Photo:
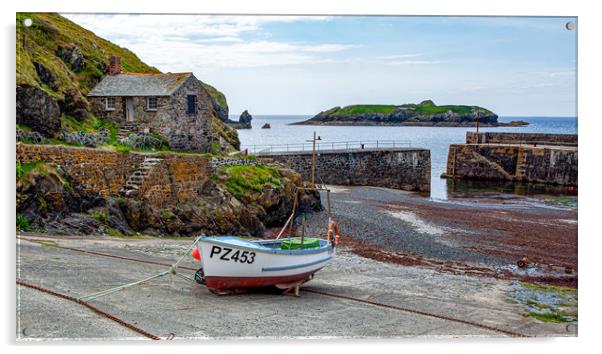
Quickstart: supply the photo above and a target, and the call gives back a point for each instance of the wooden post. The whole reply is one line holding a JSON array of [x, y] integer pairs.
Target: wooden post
[[302, 231], [313, 161], [328, 202]]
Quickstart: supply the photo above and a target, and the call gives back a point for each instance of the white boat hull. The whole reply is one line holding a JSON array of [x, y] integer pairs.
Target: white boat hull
[[231, 263]]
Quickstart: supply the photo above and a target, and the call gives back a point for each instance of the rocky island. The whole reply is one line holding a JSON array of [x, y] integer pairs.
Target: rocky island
[[426, 113], [244, 121]]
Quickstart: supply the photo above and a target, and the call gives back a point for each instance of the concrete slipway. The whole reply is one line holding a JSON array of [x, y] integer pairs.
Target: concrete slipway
[[170, 307]]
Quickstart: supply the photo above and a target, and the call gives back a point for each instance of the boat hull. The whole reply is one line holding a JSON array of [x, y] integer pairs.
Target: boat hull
[[231, 263], [218, 283]]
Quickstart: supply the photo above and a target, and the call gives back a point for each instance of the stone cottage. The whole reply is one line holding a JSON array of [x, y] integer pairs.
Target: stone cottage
[[174, 106]]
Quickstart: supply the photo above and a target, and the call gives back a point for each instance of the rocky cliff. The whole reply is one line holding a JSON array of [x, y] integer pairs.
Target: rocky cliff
[[426, 113], [59, 62]]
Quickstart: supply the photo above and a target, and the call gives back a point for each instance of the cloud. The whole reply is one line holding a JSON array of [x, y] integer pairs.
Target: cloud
[[188, 42], [400, 56], [417, 62], [128, 26]]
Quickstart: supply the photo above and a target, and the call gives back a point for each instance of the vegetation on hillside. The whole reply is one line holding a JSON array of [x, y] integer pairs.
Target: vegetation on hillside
[[219, 99], [242, 180], [42, 42]]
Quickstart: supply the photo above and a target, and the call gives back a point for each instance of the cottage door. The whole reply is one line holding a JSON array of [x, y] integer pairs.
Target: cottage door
[[130, 109]]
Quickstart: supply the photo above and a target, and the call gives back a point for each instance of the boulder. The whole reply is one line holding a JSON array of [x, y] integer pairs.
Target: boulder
[[38, 110], [266, 126], [72, 56]]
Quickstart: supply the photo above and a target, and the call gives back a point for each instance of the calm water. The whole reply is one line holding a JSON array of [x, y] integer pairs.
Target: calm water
[[437, 139]]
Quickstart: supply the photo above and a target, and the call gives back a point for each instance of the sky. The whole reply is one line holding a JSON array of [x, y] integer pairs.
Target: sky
[[306, 64]]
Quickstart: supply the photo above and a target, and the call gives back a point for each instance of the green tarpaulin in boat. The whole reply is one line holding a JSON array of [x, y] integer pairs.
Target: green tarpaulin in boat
[[295, 243]]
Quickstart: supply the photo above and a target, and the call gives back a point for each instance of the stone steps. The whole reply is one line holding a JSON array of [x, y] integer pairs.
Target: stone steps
[[125, 130], [521, 163], [134, 181]]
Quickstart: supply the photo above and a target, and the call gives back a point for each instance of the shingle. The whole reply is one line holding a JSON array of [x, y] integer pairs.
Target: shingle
[[133, 84]]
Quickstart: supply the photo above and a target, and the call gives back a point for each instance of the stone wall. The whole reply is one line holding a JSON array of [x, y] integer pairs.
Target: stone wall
[[102, 171], [513, 163], [176, 179], [407, 169], [521, 138]]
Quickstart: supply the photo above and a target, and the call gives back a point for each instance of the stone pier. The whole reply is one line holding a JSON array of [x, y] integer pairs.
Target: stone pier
[[538, 158]]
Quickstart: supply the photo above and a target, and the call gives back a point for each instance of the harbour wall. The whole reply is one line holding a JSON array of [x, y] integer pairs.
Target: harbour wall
[[400, 168], [551, 165], [521, 138], [175, 178]]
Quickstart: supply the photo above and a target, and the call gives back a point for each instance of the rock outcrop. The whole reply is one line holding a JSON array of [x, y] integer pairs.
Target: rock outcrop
[[427, 113], [266, 126], [38, 110], [46, 76], [244, 121], [74, 105], [72, 56]]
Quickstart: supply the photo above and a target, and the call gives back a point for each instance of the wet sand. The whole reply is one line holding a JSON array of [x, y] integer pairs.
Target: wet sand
[[484, 235]]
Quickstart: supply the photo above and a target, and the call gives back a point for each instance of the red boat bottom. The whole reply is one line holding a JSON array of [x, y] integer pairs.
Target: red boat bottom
[[232, 283]]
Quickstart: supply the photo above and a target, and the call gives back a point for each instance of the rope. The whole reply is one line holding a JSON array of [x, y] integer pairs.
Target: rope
[[120, 287], [91, 307], [172, 270]]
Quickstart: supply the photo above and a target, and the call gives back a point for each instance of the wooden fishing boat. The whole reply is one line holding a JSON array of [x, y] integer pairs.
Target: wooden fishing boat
[[232, 263]]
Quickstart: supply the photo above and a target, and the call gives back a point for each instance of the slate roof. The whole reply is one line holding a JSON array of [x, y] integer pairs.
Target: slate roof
[[135, 84]]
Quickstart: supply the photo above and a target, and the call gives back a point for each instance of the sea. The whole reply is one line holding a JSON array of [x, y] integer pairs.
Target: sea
[[436, 139]]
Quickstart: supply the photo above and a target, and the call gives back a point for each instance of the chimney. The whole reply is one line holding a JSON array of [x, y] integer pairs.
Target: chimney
[[114, 65]]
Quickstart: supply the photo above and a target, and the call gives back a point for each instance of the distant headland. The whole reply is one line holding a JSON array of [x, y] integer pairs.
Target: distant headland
[[426, 113]]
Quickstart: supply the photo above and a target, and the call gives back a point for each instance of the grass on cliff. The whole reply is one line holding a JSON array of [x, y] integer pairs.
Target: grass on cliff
[[23, 170], [216, 95], [49, 31], [363, 109], [420, 109], [229, 134], [22, 223], [241, 180]]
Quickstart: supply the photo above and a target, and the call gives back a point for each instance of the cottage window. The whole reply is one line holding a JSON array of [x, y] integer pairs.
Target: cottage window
[[151, 103], [191, 104], [110, 103]]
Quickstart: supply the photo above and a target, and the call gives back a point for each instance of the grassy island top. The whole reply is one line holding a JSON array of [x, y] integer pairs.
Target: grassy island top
[[425, 108]]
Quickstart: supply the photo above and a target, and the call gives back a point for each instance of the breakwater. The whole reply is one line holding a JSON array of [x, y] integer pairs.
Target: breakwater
[[400, 168], [522, 138], [539, 158]]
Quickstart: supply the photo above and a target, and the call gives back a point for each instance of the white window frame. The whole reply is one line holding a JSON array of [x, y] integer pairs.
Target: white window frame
[[107, 107], [148, 107]]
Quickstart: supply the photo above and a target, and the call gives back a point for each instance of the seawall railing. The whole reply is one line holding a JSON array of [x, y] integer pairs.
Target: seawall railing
[[326, 146]]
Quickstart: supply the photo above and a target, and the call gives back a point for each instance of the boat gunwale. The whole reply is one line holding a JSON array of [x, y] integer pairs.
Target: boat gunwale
[[296, 266], [317, 250]]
